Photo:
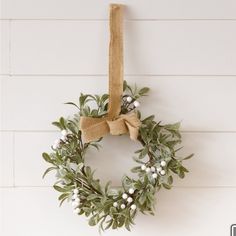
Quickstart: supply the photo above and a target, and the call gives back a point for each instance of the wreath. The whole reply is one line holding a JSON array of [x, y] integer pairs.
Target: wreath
[[115, 113]]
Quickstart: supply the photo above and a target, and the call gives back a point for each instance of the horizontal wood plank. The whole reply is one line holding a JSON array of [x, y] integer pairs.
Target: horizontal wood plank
[[202, 104], [151, 47], [135, 9], [6, 159], [4, 48]]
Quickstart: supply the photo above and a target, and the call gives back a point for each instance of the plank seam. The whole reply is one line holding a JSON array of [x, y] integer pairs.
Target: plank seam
[[177, 187], [128, 75], [182, 131], [126, 20]]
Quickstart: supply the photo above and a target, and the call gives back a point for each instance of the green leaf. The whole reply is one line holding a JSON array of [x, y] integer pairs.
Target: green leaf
[[59, 189], [62, 196], [82, 99], [127, 224], [73, 104], [62, 201], [48, 170], [149, 118], [182, 168], [138, 114], [92, 197], [46, 157], [181, 174], [88, 171], [174, 126], [124, 85], [188, 157], [142, 198], [143, 153], [166, 186], [57, 124], [143, 91], [62, 122], [104, 98], [95, 145], [96, 185], [170, 180], [135, 169], [115, 224], [107, 186], [92, 221], [109, 224]]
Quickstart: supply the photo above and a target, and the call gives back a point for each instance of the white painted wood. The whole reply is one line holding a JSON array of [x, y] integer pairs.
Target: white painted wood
[[6, 159], [201, 103], [4, 47], [135, 9], [214, 161], [30, 157], [1, 211], [40, 99], [190, 212], [151, 47], [213, 164]]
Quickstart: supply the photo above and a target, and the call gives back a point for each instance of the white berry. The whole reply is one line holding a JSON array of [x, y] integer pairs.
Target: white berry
[[133, 207], [162, 172], [143, 167], [63, 138], [148, 169], [57, 141], [154, 176], [129, 99], [163, 163], [153, 169], [76, 210], [77, 200], [129, 199], [115, 204], [136, 104], [124, 195], [54, 146], [64, 132], [131, 191], [74, 196], [122, 206], [76, 191], [75, 204], [159, 169]]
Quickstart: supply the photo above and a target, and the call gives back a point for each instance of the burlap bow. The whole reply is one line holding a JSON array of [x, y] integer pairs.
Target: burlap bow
[[95, 128], [114, 123]]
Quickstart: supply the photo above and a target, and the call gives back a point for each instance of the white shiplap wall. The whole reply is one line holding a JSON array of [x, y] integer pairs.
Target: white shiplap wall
[[51, 50]]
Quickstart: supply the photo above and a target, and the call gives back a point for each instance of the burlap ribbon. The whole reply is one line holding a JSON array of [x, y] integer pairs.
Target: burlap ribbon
[[113, 123]]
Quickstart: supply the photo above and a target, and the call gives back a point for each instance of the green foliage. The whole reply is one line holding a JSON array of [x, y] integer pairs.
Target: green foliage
[[159, 143]]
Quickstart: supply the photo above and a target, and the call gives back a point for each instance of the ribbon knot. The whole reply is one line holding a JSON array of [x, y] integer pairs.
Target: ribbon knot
[[114, 123], [95, 128]]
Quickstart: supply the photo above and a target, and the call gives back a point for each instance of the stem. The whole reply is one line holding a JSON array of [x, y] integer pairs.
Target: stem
[[89, 187]]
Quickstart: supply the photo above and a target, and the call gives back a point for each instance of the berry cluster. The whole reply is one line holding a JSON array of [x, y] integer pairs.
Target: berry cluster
[[155, 170], [132, 100], [127, 198], [75, 201], [58, 142]]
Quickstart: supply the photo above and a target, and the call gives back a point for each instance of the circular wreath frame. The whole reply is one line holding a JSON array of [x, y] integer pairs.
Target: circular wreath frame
[[109, 206]]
